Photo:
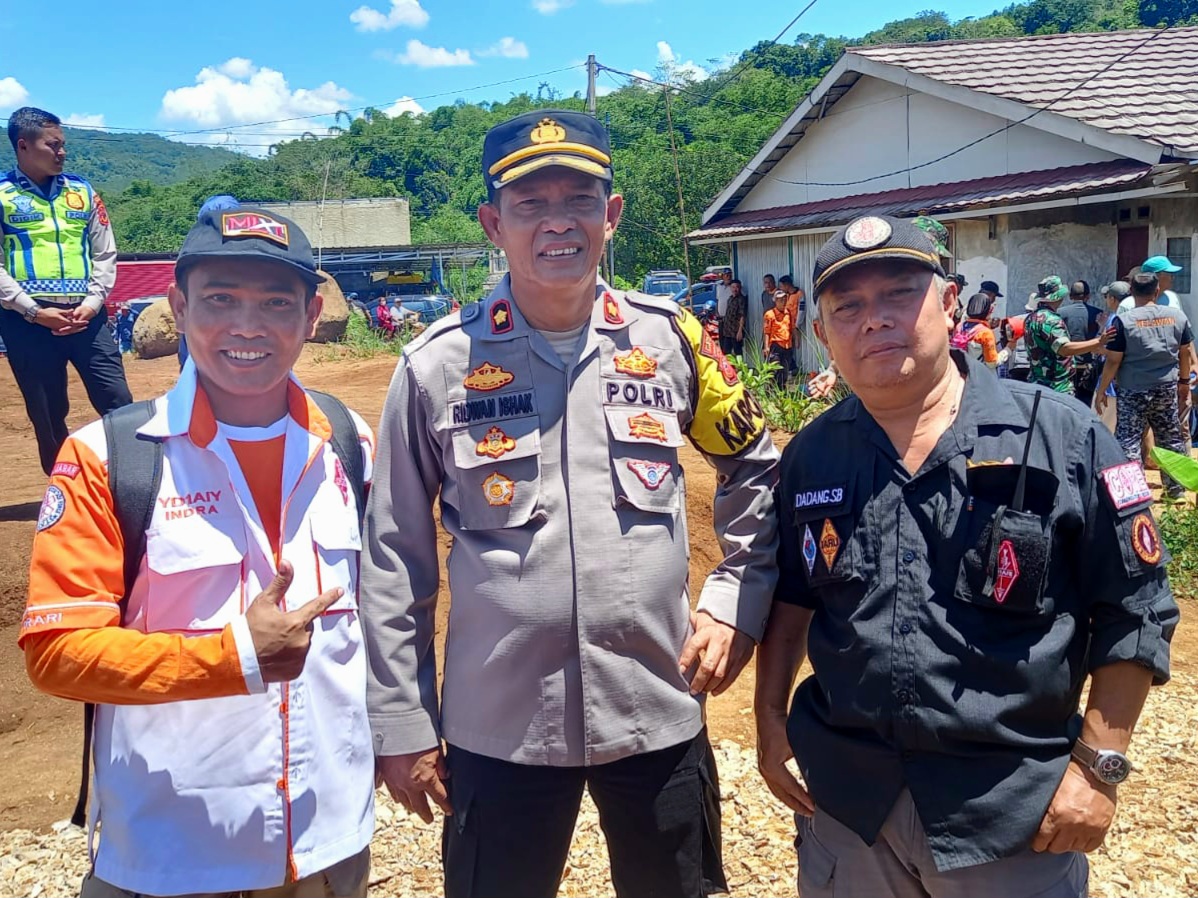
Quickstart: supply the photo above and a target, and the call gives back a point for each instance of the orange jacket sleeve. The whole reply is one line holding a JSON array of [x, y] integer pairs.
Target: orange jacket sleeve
[[985, 337], [71, 633]]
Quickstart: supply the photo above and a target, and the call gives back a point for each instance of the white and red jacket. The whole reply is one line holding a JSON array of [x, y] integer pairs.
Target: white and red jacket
[[207, 780]]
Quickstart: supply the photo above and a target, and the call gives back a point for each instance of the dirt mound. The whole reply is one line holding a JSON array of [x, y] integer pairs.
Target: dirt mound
[[154, 334], [335, 314]]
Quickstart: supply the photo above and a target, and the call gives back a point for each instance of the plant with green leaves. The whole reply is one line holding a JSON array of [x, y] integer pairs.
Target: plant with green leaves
[[786, 407]]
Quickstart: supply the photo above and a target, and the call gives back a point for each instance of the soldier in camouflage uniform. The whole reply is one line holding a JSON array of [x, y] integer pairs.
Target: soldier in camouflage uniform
[[1049, 349]]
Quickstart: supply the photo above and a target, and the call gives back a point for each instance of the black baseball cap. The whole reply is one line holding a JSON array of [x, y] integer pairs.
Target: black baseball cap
[[869, 239], [544, 137], [247, 232], [990, 287]]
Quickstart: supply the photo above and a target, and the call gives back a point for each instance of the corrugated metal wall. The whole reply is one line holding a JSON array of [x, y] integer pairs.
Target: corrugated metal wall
[[783, 255]]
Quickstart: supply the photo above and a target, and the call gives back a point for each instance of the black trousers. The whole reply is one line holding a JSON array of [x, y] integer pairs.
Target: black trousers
[[512, 824], [1085, 382], [39, 364]]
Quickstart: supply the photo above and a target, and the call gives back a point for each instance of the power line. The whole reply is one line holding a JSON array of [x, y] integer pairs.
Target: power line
[[984, 137]]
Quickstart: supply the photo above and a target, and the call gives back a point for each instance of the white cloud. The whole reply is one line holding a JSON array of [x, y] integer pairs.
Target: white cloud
[[508, 48], [671, 63], [237, 92], [602, 90], [12, 93], [640, 73], [402, 12], [426, 57], [402, 105], [549, 7], [84, 120]]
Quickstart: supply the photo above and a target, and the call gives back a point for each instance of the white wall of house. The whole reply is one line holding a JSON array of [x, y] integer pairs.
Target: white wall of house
[[752, 261], [878, 127], [981, 258], [1177, 219]]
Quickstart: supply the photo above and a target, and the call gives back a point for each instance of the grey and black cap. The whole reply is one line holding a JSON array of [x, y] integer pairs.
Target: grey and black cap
[[246, 232], [873, 238]]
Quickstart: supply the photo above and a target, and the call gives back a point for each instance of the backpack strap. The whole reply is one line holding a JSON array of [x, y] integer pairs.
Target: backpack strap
[[346, 444], [134, 477]]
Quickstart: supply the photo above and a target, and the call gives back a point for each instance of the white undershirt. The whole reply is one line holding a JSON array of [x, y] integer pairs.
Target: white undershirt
[[253, 434], [564, 342]]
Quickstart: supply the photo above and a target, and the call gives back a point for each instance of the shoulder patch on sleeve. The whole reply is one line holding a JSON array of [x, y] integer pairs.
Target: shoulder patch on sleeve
[[1126, 485], [53, 505]]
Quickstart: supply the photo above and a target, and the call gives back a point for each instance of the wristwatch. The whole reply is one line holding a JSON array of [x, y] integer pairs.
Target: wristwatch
[[31, 314], [1110, 767]]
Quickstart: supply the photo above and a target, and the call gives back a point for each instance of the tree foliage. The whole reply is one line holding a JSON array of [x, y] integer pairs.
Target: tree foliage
[[434, 159]]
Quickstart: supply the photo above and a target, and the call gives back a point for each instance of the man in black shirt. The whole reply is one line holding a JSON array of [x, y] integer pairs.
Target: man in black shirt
[[956, 553], [1082, 321]]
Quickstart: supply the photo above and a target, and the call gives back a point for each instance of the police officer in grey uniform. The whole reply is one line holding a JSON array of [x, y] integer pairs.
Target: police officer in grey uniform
[[956, 553], [548, 419]]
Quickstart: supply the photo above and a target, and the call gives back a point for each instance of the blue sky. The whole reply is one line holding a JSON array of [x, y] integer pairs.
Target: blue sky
[[157, 67]]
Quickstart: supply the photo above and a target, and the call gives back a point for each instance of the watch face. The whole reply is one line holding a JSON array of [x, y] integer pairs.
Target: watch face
[[1111, 767]]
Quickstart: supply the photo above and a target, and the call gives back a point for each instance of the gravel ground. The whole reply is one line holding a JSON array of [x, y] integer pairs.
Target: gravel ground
[[1152, 849]]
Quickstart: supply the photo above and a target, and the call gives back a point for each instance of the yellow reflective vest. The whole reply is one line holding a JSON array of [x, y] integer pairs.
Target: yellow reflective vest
[[45, 239]]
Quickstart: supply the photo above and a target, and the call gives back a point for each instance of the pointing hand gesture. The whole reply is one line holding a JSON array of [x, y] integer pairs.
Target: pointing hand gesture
[[281, 638]]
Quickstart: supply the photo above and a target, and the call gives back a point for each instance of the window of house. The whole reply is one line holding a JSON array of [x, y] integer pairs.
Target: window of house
[[1180, 251]]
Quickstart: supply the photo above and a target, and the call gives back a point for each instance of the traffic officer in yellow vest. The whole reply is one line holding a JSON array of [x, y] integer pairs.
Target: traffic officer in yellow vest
[[548, 418], [58, 265]]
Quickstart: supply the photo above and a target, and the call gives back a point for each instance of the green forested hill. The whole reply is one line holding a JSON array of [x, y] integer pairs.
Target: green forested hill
[[719, 123], [114, 161]]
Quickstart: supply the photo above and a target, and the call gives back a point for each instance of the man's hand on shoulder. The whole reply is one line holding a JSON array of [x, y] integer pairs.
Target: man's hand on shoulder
[[717, 652], [415, 778], [282, 638], [1079, 816]]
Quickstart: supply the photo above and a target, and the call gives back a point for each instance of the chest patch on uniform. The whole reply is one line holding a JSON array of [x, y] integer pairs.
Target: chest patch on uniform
[[710, 348], [1008, 571], [810, 552], [829, 543], [501, 317], [651, 473], [1144, 539], [1126, 485], [636, 363], [815, 498], [487, 377], [646, 427], [53, 505], [611, 310], [74, 200], [495, 443], [499, 490], [505, 405]]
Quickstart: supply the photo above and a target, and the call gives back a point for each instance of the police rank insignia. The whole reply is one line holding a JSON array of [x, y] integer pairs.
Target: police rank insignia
[[867, 233], [636, 363], [809, 549], [547, 131], [487, 377], [501, 317], [646, 427], [1144, 539], [651, 473], [611, 310], [74, 200], [495, 443], [499, 490], [829, 543]]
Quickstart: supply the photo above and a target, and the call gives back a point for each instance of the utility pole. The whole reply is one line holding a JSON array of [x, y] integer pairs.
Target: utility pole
[[592, 73]]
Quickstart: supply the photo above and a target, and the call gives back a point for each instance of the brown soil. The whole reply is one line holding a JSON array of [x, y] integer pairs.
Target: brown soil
[[40, 736]]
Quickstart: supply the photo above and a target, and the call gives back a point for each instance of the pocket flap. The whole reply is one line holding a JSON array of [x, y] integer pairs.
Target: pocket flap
[[817, 864], [638, 426], [193, 548], [492, 441], [336, 530]]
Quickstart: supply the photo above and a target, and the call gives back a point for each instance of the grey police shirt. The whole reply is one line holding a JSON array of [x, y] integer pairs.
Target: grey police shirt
[[1150, 338]]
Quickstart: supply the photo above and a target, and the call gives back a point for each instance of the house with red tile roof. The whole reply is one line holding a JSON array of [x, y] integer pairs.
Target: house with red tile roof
[[1068, 154]]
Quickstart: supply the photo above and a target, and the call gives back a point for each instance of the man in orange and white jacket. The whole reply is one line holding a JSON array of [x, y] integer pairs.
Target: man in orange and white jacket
[[232, 749]]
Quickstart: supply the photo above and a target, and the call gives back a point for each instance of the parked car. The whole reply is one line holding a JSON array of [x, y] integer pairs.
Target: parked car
[[699, 300], [664, 283]]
